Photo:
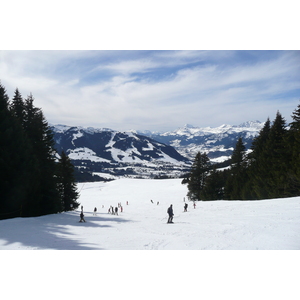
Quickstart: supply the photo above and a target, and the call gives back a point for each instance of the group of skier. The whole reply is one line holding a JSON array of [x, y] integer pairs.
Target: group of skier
[[114, 211]]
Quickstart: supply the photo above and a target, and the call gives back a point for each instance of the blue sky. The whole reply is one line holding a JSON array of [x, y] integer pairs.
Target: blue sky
[[155, 90]]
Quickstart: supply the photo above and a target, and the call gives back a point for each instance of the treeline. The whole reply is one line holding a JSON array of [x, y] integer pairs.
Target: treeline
[[270, 170], [33, 181]]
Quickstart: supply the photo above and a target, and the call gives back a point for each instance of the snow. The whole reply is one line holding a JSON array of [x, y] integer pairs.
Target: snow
[[76, 136], [219, 159], [213, 225], [85, 153], [60, 128], [234, 275]]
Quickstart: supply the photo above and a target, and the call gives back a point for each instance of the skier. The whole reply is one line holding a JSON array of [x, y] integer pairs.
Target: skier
[[95, 211], [116, 211], [121, 208], [82, 217], [194, 205], [185, 206], [170, 213], [112, 210]]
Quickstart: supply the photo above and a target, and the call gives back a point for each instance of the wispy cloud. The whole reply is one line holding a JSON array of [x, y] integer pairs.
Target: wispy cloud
[[155, 89]]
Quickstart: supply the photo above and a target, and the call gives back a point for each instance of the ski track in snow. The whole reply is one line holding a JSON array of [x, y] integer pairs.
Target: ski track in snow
[[213, 225]]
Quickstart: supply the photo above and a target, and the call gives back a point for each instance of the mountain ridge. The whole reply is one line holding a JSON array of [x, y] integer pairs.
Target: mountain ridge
[[218, 142], [110, 151], [144, 152]]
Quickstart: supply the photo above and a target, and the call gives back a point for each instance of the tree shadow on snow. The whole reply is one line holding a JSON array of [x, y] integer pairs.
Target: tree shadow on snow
[[54, 231]]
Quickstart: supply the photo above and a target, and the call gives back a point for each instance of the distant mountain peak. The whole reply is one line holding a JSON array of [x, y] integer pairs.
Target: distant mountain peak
[[188, 126], [218, 142], [249, 124]]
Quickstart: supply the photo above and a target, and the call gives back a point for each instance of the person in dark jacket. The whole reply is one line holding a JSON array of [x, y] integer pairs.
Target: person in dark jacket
[[185, 206], [170, 213], [82, 217]]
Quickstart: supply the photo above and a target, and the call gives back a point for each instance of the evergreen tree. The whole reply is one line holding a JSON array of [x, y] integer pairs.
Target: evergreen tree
[[277, 158], [17, 107], [259, 166], [214, 185], [259, 142], [14, 161], [67, 186], [293, 172], [237, 174], [199, 171], [238, 154], [44, 194]]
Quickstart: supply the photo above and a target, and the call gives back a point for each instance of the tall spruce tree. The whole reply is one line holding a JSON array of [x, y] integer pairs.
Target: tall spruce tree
[[259, 166], [237, 174], [14, 161], [199, 172], [66, 183], [17, 107], [293, 173], [45, 196], [277, 159]]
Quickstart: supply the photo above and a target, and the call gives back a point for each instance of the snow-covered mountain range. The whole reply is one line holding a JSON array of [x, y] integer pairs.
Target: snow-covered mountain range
[[149, 153], [218, 142], [109, 151]]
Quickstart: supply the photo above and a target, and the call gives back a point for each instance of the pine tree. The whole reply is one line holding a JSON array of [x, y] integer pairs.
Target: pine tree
[[259, 142], [259, 166], [293, 173], [277, 158], [214, 186], [67, 186], [199, 171], [14, 161], [237, 174], [45, 195], [17, 107], [238, 154]]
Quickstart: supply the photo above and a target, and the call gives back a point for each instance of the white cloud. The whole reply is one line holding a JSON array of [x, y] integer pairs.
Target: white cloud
[[162, 89]]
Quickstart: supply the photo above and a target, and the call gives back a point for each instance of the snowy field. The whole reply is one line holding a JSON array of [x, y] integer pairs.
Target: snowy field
[[209, 275], [213, 225]]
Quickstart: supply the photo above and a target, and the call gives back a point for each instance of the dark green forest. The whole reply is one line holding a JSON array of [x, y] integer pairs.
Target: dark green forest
[[34, 181], [270, 170]]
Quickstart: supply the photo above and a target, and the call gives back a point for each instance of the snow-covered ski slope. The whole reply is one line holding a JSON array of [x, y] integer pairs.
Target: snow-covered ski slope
[[214, 225]]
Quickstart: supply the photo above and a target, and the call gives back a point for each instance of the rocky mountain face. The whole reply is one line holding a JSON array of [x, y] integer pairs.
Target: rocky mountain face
[[217, 142]]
